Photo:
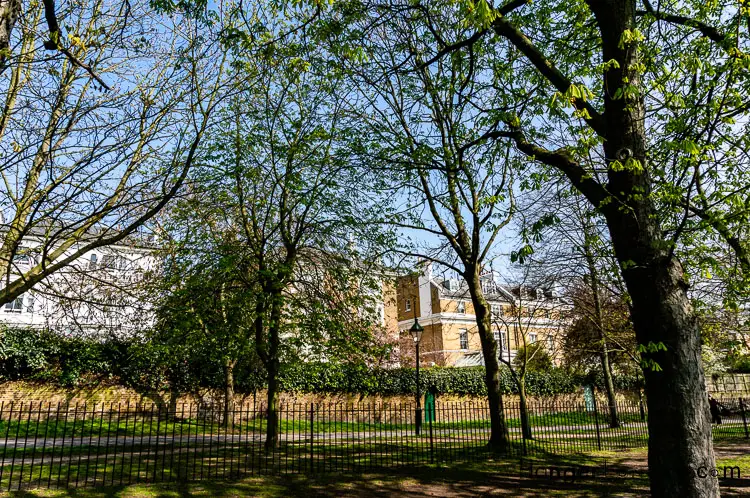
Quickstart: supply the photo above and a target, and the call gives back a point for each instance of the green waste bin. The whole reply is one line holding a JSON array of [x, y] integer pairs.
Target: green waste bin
[[429, 407], [588, 398]]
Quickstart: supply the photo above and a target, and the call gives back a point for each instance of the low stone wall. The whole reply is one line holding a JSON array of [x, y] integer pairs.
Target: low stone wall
[[729, 384]]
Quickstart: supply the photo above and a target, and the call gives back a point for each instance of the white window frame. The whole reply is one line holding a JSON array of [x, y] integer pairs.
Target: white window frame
[[463, 337], [532, 337], [496, 310], [500, 338], [15, 306], [461, 307], [407, 305]]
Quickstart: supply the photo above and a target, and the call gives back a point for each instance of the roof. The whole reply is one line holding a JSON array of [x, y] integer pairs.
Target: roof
[[459, 289], [53, 231]]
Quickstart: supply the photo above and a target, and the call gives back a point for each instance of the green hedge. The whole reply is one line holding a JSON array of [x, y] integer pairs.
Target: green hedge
[[147, 366], [344, 378]]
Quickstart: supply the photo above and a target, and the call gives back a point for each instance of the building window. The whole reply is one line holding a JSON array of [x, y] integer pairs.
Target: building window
[[15, 306], [547, 314], [114, 262], [461, 308], [463, 339], [408, 305], [499, 340], [532, 337], [496, 310], [21, 259], [92, 261], [550, 343]]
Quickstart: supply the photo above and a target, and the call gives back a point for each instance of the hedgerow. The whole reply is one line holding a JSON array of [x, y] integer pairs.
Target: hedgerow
[[147, 366]]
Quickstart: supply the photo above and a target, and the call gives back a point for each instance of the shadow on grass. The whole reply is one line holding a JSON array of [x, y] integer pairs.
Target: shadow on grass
[[487, 475], [457, 481]]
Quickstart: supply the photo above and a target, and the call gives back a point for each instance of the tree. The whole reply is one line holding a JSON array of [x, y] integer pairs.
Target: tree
[[573, 248], [207, 307], [535, 356], [450, 191], [582, 343], [650, 91], [85, 168], [665, 326], [535, 308], [277, 200]]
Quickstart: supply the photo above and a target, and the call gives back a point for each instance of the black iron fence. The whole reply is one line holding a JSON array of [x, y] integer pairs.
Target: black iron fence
[[62, 445]]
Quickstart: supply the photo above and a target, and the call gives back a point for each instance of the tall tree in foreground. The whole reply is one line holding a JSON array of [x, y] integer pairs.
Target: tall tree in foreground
[[635, 106], [450, 191], [626, 54]]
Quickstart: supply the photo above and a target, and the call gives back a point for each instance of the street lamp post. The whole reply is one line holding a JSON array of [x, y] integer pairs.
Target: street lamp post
[[416, 334]]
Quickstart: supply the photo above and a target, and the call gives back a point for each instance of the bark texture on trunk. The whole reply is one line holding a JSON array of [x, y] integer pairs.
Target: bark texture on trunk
[[498, 428], [524, 410], [680, 441], [10, 10], [228, 393], [272, 421]]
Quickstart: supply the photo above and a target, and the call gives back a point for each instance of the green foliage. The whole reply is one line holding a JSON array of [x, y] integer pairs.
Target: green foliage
[[740, 364], [358, 379], [26, 353], [535, 356], [151, 366]]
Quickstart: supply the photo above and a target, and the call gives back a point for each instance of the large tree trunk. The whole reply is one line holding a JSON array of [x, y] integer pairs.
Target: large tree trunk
[[498, 429], [272, 366], [228, 393], [10, 10], [272, 420], [680, 445], [524, 409]]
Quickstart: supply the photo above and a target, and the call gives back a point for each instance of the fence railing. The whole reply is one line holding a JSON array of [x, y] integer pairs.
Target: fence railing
[[53, 446]]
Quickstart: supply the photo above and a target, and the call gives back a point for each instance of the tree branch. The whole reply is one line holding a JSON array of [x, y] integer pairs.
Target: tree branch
[[503, 11], [546, 67], [706, 30], [723, 230], [54, 42], [563, 161]]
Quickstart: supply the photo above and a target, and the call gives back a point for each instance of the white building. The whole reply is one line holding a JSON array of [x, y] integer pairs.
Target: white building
[[97, 295]]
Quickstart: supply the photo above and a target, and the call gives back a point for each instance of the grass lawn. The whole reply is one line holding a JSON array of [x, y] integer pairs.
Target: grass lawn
[[125, 424], [495, 478], [498, 477]]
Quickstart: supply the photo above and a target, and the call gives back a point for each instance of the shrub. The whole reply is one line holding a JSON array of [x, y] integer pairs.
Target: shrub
[[537, 358], [151, 366]]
